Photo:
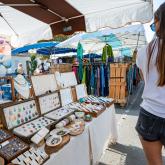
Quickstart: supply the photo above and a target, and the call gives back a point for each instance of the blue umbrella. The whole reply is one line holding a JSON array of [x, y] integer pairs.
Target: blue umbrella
[[33, 46]]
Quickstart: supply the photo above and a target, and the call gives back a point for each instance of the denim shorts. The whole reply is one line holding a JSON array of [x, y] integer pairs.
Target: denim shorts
[[150, 127]]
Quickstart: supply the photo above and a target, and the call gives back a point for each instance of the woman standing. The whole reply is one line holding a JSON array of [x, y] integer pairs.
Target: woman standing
[[151, 122]]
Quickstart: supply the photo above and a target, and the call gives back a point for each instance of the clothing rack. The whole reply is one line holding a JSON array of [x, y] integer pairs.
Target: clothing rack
[[96, 78]]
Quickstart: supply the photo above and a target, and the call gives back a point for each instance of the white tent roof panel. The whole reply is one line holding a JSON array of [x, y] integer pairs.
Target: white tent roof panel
[[114, 14], [27, 29]]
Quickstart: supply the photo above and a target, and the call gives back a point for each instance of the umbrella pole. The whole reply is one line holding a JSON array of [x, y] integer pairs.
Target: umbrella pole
[[8, 24]]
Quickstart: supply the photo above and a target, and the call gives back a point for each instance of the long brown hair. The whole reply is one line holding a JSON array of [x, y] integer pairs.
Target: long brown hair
[[160, 60]]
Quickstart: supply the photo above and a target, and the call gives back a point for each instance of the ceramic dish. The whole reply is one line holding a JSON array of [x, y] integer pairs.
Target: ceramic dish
[[59, 131], [53, 141]]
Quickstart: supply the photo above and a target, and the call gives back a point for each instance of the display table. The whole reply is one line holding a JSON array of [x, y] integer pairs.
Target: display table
[[86, 149], [102, 131]]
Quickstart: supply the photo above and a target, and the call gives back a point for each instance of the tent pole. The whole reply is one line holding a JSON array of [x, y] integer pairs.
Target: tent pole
[[8, 24]]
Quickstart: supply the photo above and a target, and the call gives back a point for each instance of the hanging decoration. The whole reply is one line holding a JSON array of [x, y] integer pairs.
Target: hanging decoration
[[80, 60]]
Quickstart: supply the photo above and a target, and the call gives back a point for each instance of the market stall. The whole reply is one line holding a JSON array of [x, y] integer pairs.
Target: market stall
[[115, 73], [90, 120]]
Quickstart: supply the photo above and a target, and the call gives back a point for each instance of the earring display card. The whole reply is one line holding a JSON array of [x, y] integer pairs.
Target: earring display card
[[49, 102], [31, 157], [12, 148], [29, 129], [59, 113], [44, 83], [66, 96], [4, 135], [68, 79], [19, 114], [81, 91]]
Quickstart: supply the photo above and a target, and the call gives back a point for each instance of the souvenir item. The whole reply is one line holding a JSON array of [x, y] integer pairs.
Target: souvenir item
[[32, 127], [66, 96], [49, 102], [31, 157], [59, 131], [79, 114], [54, 140], [81, 91], [76, 128], [71, 118], [37, 138], [12, 147], [62, 123], [4, 135], [44, 83], [89, 108], [19, 114], [59, 114], [88, 117], [22, 86]]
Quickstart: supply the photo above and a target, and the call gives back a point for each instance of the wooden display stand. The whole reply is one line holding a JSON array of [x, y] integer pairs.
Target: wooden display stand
[[74, 95], [61, 68], [118, 84], [1, 125]]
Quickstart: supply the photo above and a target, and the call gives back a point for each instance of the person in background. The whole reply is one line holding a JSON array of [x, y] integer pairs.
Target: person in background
[[19, 69], [151, 122]]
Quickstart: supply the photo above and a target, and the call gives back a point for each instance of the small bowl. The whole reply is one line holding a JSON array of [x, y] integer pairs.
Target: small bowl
[[79, 114], [59, 131], [53, 141]]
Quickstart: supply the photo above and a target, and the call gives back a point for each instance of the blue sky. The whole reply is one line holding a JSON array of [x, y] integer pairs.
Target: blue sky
[[149, 33]]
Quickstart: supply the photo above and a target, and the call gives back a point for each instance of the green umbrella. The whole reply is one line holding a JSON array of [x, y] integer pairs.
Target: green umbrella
[[80, 60]]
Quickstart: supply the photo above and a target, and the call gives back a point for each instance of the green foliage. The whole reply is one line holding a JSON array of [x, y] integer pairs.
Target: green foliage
[[32, 63]]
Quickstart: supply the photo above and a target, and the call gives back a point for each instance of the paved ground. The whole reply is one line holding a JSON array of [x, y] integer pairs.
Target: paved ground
[[128, 150]]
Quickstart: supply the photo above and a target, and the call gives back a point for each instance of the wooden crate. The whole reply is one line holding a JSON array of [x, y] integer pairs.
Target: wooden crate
[[61, 68], [118, 86]]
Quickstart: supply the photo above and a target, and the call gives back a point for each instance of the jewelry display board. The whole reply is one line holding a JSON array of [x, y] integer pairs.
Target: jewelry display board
[[68, 79], [31, 157], [44, 83], [59, 113], [49, 102], [81, 91], [12, 148], [29, 129], [66, 96], [19, 114], [4, 135]]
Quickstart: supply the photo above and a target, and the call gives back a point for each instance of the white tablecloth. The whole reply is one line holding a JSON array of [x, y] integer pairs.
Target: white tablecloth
[[86, 149], [102, 129]]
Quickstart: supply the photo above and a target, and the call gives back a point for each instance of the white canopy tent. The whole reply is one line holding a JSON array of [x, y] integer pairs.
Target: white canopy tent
[[21, 29], [113, 13], [132, 37]]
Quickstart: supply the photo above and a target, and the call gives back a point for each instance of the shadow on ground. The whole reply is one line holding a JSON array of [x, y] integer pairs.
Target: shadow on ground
[[134, 100], [134, 155]]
